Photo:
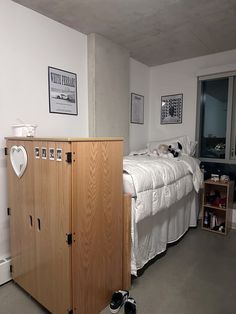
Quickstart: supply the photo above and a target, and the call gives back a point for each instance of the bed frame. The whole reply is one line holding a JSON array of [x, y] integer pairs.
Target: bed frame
[[184, 213], [127, 242]]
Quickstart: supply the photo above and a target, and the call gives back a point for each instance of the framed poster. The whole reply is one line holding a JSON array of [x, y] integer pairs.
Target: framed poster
[[171, 109], [62, 87], [137, 108]]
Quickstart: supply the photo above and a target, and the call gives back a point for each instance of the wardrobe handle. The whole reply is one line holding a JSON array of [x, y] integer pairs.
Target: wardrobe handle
[[39, 224], [31, 220]]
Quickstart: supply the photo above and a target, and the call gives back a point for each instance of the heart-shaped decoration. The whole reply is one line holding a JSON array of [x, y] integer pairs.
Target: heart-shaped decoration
[[18, 157]]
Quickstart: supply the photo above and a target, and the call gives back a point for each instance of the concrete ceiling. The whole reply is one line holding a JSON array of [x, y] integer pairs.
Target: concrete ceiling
[[154, 31]]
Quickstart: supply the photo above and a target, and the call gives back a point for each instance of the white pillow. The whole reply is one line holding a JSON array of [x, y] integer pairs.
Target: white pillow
[[193, 145], [188, 146], [143, 151]]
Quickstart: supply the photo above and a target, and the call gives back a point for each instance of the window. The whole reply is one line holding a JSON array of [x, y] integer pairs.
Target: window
[[216, 119]]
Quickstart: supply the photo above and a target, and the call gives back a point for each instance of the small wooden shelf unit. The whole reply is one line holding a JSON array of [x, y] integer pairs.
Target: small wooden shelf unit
[[217, 206]]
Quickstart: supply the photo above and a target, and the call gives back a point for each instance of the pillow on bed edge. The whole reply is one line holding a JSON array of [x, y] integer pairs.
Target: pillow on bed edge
[[143, 151], [188, 146]]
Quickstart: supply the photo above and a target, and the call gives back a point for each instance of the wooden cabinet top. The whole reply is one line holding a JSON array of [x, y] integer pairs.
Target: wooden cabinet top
[[209, 181], [65, 139]]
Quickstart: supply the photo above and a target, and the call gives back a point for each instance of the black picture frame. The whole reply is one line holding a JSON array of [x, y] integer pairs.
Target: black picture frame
[[137, 109], [62, 90], [172, 109]]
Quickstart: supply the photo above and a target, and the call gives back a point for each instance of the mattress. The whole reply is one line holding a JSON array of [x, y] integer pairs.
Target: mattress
[[128, 184], [151, 235], [164, 202], [158, 183]]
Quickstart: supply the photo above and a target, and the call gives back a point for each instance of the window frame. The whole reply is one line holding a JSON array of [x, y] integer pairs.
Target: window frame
[[230, 136]]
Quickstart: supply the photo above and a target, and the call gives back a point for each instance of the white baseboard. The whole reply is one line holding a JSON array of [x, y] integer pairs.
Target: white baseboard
[[5, 274]]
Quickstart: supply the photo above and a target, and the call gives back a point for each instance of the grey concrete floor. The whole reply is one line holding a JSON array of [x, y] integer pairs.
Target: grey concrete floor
[[13, 300], [197, 275]]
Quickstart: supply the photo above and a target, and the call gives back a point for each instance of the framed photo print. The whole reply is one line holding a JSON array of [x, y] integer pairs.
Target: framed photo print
[[62, 86], [59, 154], [44, 153], [171, 109], [36, 152], [51, 153], [137, 108]]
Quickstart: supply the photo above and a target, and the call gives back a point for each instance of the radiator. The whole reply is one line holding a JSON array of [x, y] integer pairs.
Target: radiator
[[5, 274]]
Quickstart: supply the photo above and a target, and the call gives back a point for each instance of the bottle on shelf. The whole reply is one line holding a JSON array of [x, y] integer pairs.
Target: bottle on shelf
[[206, 219], [213, 221]]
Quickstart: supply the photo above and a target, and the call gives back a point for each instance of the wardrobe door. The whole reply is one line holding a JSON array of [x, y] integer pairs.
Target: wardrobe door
[[53, 223], [21, 204], [97, 226]]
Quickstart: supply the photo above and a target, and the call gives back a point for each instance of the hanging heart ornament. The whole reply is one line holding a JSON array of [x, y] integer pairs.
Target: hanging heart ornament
[[18, 157]]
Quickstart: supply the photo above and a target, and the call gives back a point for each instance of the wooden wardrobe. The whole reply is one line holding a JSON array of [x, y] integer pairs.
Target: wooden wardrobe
[[66, 221]]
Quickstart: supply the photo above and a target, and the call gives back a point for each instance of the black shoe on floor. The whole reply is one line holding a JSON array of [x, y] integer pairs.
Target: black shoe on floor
[[130, 306], [118, 299]]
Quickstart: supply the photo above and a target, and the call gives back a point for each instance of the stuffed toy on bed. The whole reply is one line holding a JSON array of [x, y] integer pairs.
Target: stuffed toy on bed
[[163, 151], [175, 149]]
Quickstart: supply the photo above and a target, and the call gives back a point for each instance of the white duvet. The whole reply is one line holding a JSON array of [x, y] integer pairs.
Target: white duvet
[[160, 182]]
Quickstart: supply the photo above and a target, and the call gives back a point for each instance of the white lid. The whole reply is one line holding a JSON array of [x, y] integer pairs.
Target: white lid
[[24, 125]]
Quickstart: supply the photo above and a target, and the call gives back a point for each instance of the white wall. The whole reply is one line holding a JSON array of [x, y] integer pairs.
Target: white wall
[[29, 44], [139, 84], [181, 77], [108, 72]]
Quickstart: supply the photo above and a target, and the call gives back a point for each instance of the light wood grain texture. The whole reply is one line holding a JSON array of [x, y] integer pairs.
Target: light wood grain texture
[[127, 242], [97, 224], [22, 236], [230, 197], [44, 202], [66, 139], [53, 222]]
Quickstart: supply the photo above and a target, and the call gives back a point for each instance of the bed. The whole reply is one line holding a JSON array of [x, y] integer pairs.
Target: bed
[[164, 200]]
